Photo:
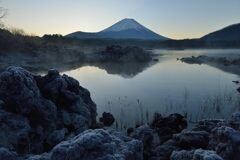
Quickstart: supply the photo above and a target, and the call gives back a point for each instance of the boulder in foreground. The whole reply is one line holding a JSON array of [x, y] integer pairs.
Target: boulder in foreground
[[38, 112]]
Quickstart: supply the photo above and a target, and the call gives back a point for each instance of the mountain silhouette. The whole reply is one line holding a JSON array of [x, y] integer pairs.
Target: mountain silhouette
[[124, 29], [230, 33]]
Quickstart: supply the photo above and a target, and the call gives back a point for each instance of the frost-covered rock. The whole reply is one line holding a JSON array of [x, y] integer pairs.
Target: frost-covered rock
[[38, 112], [68, 96], [44, 156], [235, 121], [14, 132], [182, 155], [208, 124], [146, 135], [5, 154], [56, 137], [198, 154], [98, 144], [192, 139], [226, 141], [164, 150]]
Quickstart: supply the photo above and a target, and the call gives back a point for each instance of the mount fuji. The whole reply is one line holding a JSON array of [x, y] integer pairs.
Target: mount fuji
[[124, 29]]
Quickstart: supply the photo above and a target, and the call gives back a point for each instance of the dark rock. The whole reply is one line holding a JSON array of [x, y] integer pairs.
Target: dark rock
[[68, 95], [238, 89], [130, 131], [19, 91], [164, 151], [36, 112], [207, 125], [56, 137], [101, 144], [198, 154], [192, 139], [107, 119], [146, 135], [168, 126], [5, 154], [226, 142], [44, 156], [182, 155], [14, 132], [234, 121]]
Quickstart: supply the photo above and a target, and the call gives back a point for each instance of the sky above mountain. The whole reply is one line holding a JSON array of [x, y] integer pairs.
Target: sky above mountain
[[176, 19]]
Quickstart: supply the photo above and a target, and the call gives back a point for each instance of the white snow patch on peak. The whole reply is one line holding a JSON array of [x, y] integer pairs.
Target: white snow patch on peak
[[125, 24]]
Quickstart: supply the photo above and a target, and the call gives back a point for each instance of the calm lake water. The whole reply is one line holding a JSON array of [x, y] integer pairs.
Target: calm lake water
[[169, 86]]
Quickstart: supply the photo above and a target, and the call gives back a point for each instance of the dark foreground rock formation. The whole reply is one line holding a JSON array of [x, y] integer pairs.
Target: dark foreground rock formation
[[38, 112]]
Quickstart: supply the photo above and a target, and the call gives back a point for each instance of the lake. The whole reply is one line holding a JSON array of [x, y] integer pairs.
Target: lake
[[133, 94]]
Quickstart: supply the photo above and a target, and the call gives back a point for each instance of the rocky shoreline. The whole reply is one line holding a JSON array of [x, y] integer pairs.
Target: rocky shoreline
[[52, 117]]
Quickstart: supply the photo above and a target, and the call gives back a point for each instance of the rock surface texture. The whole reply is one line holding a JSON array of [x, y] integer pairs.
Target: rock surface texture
[[38, 112]]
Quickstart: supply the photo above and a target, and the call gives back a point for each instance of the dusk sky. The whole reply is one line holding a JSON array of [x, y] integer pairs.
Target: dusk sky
[[171, 18]]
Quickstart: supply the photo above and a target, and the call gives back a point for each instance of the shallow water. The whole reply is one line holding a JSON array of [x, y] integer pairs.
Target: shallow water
[[169, 86]]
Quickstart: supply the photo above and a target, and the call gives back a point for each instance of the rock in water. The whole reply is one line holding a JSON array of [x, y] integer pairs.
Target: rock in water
[[107, 119], [38, 112]]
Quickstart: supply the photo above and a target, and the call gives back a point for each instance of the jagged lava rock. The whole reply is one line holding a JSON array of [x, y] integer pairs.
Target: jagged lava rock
[[14, 132], [164, 151], [167, 126], [208, 124], [38, 112], [198, 154], [146, 135], [192, 139], [5, 154], [182, 155], [235, 121], [69, 97], [226, 141], [98, 144]]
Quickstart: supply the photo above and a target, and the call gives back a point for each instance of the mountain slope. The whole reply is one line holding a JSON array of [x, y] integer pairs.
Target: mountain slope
[[230, 33], [124, 29]]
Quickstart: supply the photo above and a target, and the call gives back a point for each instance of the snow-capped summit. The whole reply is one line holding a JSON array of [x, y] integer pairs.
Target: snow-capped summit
[[125, 24], [124, 29]]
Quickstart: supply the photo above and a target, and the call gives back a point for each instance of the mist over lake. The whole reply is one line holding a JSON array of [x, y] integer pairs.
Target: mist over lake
[[199, 91]]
